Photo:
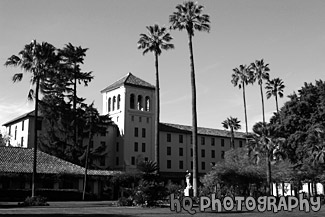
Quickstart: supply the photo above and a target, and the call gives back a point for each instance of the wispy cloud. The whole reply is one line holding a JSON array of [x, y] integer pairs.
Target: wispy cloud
[[10, 110]]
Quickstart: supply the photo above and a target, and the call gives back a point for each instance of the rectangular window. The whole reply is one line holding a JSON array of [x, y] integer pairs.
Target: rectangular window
[[15, 132], [181, 165], [212, 141], [169, 137], [222, 154], [202, 140], [136, 147], [203, 165], [132, 118], [191, 165], [148, 120], [202, 153], [191, 139], [143, 147], [22, 142], [191, 152], [213, 164], [143, 132], [222, 143], [22, 125], [132, 160], [145, 159], [9, 130], [117, 147], [136, 132], [240, 144], [169, 151], [169, 164], [180, 151], [140, 119], [117, 161], [180, 138], [213, 154], [102, 161]]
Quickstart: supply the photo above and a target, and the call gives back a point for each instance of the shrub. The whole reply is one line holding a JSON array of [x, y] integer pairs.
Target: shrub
[[149, 194], [34, 201], [123, 201]]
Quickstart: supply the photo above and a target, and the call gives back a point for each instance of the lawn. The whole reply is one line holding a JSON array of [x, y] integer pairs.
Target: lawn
[[102, 209]]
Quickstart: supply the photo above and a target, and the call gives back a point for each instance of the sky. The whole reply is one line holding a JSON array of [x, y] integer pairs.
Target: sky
[[289, 35]]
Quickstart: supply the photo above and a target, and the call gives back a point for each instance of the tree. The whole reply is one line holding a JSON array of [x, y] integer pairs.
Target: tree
[[39, 60], [232, 124], [72, 57], [263, 142], [155, 41], [260, 73], [189, 16], [275, 88], [242, 76]]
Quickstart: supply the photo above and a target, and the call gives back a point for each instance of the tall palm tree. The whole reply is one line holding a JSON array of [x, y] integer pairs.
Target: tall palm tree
[[232, 124], [156, 40], [263, 142], [261, 73], [242, 76], [275, 88], [189, 16], [72, 57], [39, 60]]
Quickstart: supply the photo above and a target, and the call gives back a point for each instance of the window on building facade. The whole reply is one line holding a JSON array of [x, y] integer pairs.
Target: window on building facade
[[22, 125], [222, 143], [117, 161], [180, 138], [212, 141], [22, 142], [213, 164], [240, 144], [39, 124], [202, 140], [181, 165], [203, 165], [118, 101], [132, 117], [169, 164], [15, 132], [191, 165], [109, 104], [147, 105], [136, 132], [143, 132], [102, 161], [169, 137], [136, 147], [114, 103], [180, 151], [140, 106], [143, 147], [132, 160], [117, 147], [213, 154], [169, 151], [132, 101], [222, 154], [145, 159], [148, 120], [140, 119], [202, 153], [191, 152]]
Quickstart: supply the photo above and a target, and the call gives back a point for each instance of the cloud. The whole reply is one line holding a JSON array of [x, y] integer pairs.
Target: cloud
[[10, 110]]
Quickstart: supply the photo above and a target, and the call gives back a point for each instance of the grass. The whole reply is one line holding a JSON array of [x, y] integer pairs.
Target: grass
[[104, 209]]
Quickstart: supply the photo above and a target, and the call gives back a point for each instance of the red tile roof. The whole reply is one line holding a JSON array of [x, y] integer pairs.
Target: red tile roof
[[20, 160]]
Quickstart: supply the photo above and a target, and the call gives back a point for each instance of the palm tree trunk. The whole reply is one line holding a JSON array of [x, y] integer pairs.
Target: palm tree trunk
[[75, 109], [276, 103], [194, 118], [86, 164], [232, 138], [268, 175], [262, 103], [245, 108], [157, 114], [35, 139]]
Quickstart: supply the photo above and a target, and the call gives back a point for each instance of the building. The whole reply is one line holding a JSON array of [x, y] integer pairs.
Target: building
[[130, 103]]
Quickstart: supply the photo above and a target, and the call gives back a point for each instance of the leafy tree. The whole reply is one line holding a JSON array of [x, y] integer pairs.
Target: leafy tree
[[232, 124], [260, 73], [275, 88], [189, 16], [156, 40], [264, 143], [39, 60], [242, 76], [4, 139]]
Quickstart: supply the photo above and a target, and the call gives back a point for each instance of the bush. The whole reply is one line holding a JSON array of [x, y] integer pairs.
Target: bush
[[34, 201], [123, 201], [149, 194]]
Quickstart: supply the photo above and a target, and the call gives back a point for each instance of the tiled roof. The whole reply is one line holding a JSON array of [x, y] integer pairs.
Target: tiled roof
[[20, 160], [130, 80], [201, 130]]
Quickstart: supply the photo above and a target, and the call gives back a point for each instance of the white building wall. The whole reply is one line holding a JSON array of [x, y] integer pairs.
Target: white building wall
[[18, 133]]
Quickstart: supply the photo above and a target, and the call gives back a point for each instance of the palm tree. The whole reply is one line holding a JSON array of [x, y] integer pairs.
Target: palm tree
[[232, 124], [261, 73], [155, 41], [189, 16], [40, 60], [242, 76], [275, 88], [72, 57], [263, 142]]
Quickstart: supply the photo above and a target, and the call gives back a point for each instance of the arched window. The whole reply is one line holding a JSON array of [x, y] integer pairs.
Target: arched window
[[132, 101], [109, 105], [118, 101], [114, 102], [140, 106], [147, 105]]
